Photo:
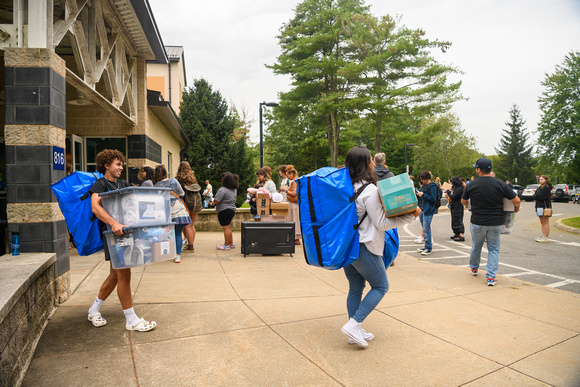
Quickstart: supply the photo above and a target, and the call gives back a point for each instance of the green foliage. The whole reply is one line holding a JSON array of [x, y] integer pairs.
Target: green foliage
[[515, 159], [444, 148], [209, 125], [357, 80], [393, 71], [559, 127]]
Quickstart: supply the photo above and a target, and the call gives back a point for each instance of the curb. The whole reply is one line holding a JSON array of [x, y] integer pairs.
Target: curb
[[563, 227]]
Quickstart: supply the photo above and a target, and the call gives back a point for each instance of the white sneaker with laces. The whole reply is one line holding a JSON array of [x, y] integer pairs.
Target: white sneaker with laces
[[367, 336], [419, 240], [354, 331]]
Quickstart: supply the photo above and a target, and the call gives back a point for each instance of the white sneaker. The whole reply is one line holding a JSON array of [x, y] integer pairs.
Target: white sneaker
[[367, 336], [543, 240], [419, 240], [353, 330]]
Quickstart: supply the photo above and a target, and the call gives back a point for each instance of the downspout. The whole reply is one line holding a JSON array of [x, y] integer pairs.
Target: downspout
[[169, 67], [20, 25]]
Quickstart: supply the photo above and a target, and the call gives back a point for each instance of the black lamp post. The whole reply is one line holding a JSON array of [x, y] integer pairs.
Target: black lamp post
[[406, 162], [271, 104]]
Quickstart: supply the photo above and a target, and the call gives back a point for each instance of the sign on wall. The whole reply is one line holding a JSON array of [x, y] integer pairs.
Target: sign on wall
[[58, 159]]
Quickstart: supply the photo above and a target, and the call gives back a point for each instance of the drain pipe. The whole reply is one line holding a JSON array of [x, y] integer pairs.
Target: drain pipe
[[169, 67]]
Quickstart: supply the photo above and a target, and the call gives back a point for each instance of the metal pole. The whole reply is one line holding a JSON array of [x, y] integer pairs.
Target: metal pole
[[261, 139], [406, 162]]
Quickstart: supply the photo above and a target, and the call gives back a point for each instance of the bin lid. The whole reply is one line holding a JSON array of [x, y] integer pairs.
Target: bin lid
[[129, 190], [135, 228]]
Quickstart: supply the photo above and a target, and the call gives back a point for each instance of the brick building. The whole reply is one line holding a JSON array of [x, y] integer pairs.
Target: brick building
[[74, 82]]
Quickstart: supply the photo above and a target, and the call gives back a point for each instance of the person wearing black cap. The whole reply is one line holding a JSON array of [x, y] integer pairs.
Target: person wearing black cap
[[487, 216]]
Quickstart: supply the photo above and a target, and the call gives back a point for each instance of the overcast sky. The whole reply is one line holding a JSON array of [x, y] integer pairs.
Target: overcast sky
[[504, 47]]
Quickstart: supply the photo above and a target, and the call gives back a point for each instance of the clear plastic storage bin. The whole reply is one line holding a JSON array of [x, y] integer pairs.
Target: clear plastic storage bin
[[138, 206], [140, 246]]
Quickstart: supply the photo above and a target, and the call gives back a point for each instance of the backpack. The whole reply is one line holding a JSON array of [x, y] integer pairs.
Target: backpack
[[74, 201], [438, 198], [192, 198], [328, 218]]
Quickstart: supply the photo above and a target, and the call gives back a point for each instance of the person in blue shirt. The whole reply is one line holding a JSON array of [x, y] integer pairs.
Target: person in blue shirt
[[427, 196]]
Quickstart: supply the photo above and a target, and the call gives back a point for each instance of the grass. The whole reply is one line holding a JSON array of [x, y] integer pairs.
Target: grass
[[245, 205], [572, 222]]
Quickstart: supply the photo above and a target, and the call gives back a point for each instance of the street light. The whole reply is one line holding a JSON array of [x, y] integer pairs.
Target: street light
[[406, 162], [270, 104]]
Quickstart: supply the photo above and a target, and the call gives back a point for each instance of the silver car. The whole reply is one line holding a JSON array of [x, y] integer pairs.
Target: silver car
[[529, 191]]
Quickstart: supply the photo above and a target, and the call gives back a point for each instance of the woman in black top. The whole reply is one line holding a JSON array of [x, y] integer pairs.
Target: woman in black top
[[454, 197], [110, 163], [542, 196]]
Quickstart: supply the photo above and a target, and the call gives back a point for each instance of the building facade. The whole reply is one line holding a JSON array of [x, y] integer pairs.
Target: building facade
[[74, 82]]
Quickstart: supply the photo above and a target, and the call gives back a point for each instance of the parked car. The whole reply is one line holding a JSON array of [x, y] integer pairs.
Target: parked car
[[519, 190], [529, 191], [564, 192]]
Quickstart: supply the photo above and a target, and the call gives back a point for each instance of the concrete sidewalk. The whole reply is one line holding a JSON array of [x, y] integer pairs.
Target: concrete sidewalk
[[263, 320]]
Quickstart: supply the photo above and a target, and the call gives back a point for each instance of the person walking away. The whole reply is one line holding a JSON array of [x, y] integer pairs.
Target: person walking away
[[264, 178], [225, 202], [294, 209], [192, 200], [380, 169], [486, 194], [110, 164], [454, 197], [543, 198], [369, 267], [148, 176], [178, 217], [427, 196]]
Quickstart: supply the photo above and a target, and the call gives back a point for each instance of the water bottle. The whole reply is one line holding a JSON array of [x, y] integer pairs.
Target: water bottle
[[15, 243]]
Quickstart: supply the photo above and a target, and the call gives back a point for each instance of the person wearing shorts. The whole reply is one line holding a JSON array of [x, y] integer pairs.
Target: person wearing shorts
[[225, 204], [110, 164]]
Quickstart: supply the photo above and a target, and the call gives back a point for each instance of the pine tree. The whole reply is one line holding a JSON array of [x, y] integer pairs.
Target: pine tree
[[210, 125], [515, 160]]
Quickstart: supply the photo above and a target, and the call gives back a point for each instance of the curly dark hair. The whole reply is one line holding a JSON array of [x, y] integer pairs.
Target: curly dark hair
[[357, 161], [425, 175], [229, 180], [106, 157], [456, 182], [185, 174]]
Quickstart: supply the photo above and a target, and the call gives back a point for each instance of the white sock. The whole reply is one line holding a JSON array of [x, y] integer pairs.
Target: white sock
[[130, 316], [96, 306]]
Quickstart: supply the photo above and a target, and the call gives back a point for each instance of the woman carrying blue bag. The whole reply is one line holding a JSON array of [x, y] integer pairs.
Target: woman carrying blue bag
[[369, 267]]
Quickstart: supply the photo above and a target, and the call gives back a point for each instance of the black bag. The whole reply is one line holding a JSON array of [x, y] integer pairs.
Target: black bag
[[438, 198], [192, 198]]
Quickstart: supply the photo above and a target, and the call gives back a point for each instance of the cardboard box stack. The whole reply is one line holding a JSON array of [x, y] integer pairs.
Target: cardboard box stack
[[263, 203], [398, 195]]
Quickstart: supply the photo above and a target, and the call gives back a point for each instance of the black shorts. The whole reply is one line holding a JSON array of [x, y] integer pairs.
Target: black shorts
[[106, 248], [225, 217]]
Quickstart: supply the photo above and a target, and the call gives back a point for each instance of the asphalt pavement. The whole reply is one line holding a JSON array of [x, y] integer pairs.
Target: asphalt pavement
[[553, 264]]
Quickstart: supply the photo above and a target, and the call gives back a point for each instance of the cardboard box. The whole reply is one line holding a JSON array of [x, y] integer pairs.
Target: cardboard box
[[398, 195], [270, 218], [263, 203], [279, 209], [445, 186]]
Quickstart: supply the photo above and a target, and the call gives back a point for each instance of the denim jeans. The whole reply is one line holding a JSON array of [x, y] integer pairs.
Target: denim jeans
[[426, 224], [371, 268], [179, 237], [478, 235]]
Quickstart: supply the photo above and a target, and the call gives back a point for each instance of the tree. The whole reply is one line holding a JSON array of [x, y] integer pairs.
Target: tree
[[515, 161], [444, 148], [394, 73], [210, 125], [559, 127], [313, 54]]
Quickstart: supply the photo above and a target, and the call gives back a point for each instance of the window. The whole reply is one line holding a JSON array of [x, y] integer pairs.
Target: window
[[94, 145], [168, 164]]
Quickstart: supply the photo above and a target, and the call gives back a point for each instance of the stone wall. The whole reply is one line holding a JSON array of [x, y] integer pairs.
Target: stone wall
[[207, 220], [27, 298]]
